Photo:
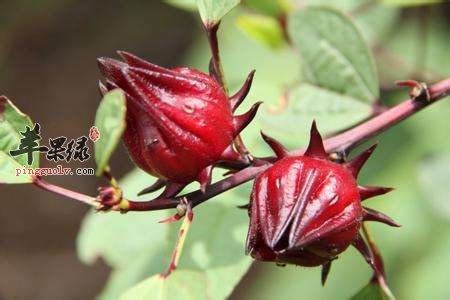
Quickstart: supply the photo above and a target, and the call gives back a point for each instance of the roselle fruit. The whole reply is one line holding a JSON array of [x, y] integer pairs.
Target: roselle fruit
[[305, 210], [179, 122]]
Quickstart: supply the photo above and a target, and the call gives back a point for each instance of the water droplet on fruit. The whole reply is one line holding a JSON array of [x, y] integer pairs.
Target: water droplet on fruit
[[189, 108], [151, 143]]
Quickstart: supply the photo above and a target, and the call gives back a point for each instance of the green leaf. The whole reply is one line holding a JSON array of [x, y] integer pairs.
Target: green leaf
[[270, 7], [136, 246], [8, 167], [212, 11], [411, 2], [189, 5], [97, 235], [12, 122], [127, 276], [263, 29], [374, 19], [110, 122], [434, 173], [417, 51], [331, 110], [340, 82], [334, 53], [182, 284], [373, 291]]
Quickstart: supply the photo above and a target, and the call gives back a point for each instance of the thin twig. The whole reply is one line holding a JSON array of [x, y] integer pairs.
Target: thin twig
[[176, 254], [211, 33], [357, 135], [379, 275], [49, 187], [343, 141]]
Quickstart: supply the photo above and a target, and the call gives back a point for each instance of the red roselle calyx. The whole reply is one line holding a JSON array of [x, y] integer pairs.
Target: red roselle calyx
[[179, 122], [305, 210]]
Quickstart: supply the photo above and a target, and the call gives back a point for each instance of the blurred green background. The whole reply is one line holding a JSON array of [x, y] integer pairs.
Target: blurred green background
[[47, 57]]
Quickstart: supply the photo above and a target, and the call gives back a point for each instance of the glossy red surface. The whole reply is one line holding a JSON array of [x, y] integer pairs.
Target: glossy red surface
[[304, 211], [179, 121]]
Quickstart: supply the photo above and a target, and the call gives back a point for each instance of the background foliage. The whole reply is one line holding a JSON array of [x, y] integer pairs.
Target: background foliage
[[329, 77]]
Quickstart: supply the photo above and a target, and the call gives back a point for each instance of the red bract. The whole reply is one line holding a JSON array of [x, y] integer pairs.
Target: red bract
[[305, 210], [179, 122]]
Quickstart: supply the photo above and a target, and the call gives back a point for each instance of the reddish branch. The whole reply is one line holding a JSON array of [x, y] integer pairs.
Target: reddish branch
[[49, 187], [340, 142], [389, 118], [216, 70], [215, 66], [379, 276]]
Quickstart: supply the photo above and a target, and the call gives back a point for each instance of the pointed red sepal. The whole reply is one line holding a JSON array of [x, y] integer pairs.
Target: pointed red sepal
[[362, 247], [237, 98], [172, 189], [366, 192], [167, 78], [355, 165], [138, 62], [170, 219], [110, 85], [373, 215], [102, 88], [325, 272], [276, 146], [233, 162], [126, 75], [315, 147], [241, 121], [109, 65], [160, 183], [229, 154], [204, 178], [112, 69]]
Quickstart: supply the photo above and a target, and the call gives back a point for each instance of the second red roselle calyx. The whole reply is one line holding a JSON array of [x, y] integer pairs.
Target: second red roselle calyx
[[305, 210], [179, 122]]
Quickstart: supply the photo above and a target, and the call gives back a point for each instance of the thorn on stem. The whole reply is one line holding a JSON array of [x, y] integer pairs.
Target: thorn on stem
[[176, 254], [418, 90]]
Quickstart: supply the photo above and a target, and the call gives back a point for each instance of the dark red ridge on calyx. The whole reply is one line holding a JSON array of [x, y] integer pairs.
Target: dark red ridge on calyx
[[179, 121], [305, 210]]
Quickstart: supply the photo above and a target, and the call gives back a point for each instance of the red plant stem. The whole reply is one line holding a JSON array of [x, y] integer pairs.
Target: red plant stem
[[340, 142], [46, 186], [157, 204], [377, 259], [211, 33], [198, 197], [353, 137], [343, 141], [379, 275]]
